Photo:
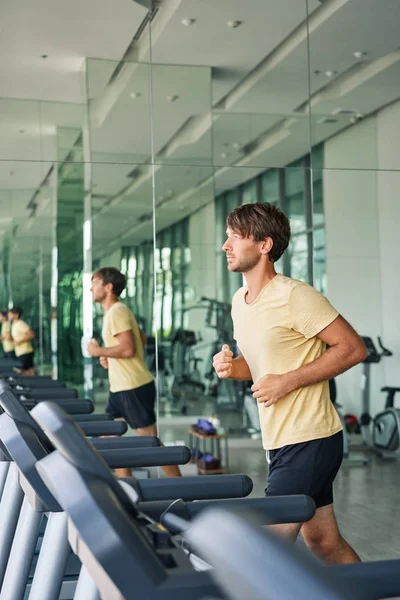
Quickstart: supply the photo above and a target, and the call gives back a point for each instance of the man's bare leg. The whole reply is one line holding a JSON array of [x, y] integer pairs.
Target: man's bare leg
[[169, 470], [124, 472], [289, 531], [29, 372], [323, 538]]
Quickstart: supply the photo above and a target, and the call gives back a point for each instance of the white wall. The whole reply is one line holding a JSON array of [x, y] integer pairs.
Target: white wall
[[388, 127], [362, 214], [352, 247]]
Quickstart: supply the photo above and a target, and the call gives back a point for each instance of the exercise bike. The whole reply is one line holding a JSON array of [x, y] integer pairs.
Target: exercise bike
[[380, 433], [349, 459]]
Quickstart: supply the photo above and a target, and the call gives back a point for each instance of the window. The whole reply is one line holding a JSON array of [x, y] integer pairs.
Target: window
[[290, 189], [270, 187], [249, 192]]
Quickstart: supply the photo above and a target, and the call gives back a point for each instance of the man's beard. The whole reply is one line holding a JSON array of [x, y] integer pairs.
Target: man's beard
[[246, 264]]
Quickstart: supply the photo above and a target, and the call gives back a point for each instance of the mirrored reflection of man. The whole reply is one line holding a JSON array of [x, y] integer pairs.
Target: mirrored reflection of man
[[22, 336]]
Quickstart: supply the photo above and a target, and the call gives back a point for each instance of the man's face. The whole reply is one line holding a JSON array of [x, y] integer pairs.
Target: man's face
[[12, 316], [242, 254], [98, 289]]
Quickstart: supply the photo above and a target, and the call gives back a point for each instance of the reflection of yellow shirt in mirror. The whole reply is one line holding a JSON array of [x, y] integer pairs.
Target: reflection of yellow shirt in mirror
[[8, 346], [19, 329], [124, 373]]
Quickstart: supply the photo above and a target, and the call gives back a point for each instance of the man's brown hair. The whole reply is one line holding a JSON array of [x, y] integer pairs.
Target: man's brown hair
[[262, 220], [112, 275]]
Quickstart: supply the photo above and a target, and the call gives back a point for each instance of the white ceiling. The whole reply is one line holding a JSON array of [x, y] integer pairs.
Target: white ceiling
[[67, 32], [255, 77]]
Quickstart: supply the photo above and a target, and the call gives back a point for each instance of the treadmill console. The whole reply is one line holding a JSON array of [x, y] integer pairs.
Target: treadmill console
[[373, 354]]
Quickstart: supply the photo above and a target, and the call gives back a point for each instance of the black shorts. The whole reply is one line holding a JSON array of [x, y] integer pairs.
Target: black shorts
[[10, 355], [136, 406], [26, 361], [308, 468]]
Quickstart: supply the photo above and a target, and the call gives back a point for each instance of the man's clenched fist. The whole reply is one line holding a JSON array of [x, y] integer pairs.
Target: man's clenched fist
[[222, 362]]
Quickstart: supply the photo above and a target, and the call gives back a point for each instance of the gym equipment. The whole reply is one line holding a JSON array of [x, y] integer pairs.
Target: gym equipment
[[35, 381], [70, 405], [187, 383], [348, 459], [229, 394], [141, 551], [380, 433], [47, 393], [251, 563], [25, 443], [256, 563]]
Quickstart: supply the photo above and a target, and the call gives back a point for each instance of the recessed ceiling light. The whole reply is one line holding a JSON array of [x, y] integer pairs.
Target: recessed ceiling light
[[359, 54], [236, 146], [330, 73], [224, 155], [188, 22], [233, 24], [135, 95], [172, 98]]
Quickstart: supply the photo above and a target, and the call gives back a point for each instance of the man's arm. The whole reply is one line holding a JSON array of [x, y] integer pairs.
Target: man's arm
[[346, 350], [227, 367], [240, 369], [29, 335], [125, 349]]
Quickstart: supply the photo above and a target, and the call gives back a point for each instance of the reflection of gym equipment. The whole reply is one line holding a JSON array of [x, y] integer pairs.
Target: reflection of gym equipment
[[227, 392], [180, 361], [187, 384], [380, 433], [350, 460]]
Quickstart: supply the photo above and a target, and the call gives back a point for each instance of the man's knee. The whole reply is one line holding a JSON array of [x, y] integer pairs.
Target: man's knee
[[322, 541]]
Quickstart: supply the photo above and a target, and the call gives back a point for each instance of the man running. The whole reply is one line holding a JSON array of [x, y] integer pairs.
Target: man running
[[132, 389], [282, 327], [5, 336], [22, 336]]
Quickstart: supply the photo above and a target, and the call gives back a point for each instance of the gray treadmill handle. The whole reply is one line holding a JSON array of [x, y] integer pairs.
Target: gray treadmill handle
[[249, 561], [98, 428], [146, 457], [73, 406], [377, 579], [92, 417], [206, 487], [126, 442], [273, 510]]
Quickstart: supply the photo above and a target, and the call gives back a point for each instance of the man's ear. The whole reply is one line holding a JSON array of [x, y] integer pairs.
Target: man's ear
[[267, 245]]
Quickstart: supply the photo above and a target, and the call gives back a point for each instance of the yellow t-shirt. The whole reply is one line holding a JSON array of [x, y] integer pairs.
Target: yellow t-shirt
[[124, 373], [276, 334], [19, 329], [6, 330]]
